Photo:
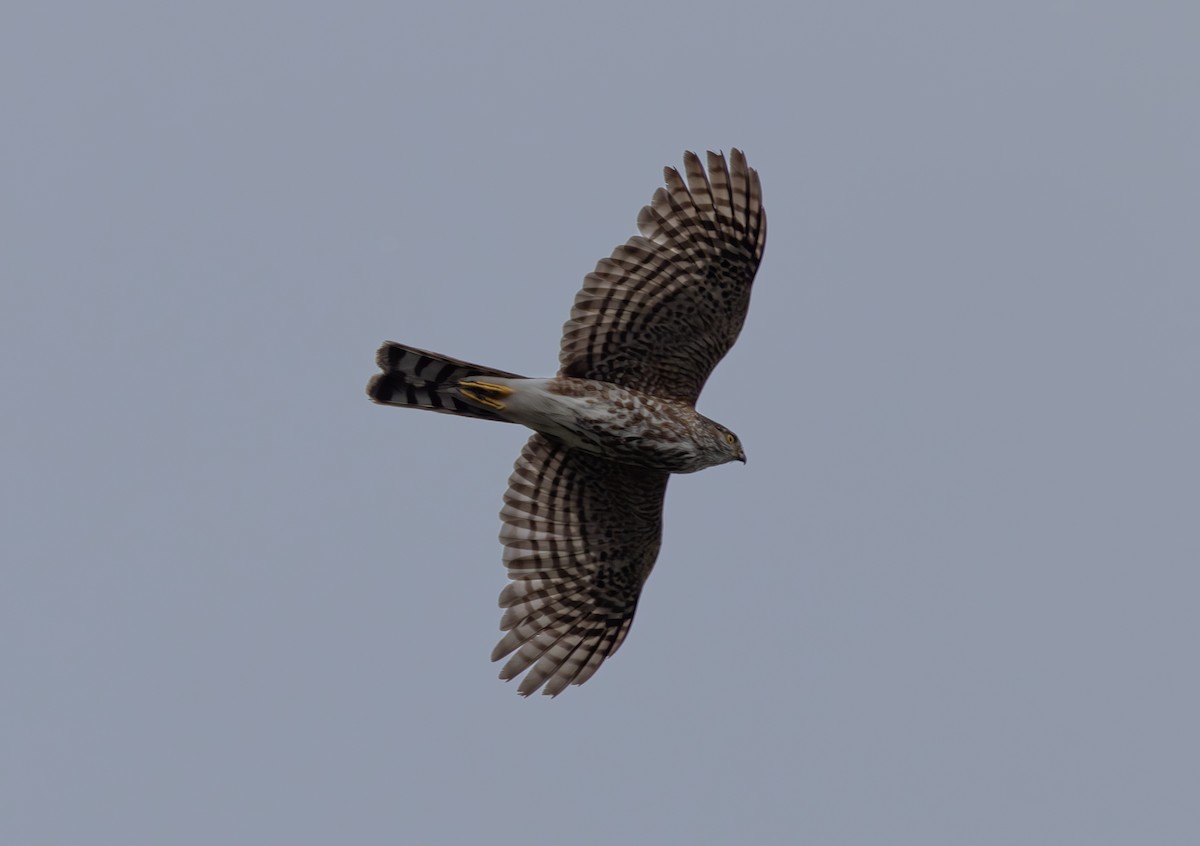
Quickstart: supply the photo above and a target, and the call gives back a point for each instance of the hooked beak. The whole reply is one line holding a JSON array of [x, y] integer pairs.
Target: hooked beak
[[741, 456]]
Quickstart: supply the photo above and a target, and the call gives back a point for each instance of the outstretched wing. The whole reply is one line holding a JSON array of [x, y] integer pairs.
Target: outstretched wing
[[666, 306], [580, 535]]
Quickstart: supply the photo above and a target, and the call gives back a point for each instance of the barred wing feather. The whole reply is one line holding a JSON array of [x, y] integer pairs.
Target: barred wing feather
[[665, 307], [580, 536]]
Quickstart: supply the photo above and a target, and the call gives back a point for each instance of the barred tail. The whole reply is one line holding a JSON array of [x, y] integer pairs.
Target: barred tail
[[420, 379]]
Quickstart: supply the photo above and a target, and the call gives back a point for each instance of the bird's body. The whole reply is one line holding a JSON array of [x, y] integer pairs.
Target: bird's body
[[598, 418], [583, 512]]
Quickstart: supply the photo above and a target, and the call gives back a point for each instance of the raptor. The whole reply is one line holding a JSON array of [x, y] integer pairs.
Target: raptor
[[582, 516]]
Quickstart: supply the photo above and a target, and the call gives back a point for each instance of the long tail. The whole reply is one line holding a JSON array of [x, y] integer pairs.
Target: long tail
[[420, 379]]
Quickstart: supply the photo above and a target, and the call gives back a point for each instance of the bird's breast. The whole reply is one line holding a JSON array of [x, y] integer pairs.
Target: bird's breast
[[607, 420]]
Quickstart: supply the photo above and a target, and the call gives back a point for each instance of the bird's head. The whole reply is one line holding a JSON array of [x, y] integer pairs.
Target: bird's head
[[721, 445]]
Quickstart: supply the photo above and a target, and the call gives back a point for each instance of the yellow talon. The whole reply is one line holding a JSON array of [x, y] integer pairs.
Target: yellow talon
[[484, 393]]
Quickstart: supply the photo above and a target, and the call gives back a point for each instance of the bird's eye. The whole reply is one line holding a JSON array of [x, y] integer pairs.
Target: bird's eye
[[730, 439]]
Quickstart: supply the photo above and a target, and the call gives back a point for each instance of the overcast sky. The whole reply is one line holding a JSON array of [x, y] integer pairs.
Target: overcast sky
[[952, 598]]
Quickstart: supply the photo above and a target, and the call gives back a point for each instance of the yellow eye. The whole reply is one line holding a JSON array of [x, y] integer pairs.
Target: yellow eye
[[730, 439]]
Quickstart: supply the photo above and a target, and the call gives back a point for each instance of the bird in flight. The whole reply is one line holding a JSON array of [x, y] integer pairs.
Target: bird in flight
[[582, 516]]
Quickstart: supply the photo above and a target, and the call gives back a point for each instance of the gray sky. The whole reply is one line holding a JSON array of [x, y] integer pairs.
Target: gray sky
[[952, 599]]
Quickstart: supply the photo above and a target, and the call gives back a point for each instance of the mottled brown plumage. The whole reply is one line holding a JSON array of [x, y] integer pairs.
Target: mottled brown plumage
[[665, 307], [583, 512]]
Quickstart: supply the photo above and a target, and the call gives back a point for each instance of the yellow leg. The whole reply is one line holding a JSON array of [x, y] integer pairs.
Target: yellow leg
[[484, 393]]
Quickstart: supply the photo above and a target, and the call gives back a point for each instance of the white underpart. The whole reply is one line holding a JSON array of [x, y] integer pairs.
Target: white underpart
[[566, 418]]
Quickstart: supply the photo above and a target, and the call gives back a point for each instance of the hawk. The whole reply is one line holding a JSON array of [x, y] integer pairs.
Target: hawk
[[582, 517]]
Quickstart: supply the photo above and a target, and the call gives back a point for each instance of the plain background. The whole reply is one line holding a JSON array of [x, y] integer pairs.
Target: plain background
[[952, 599]]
